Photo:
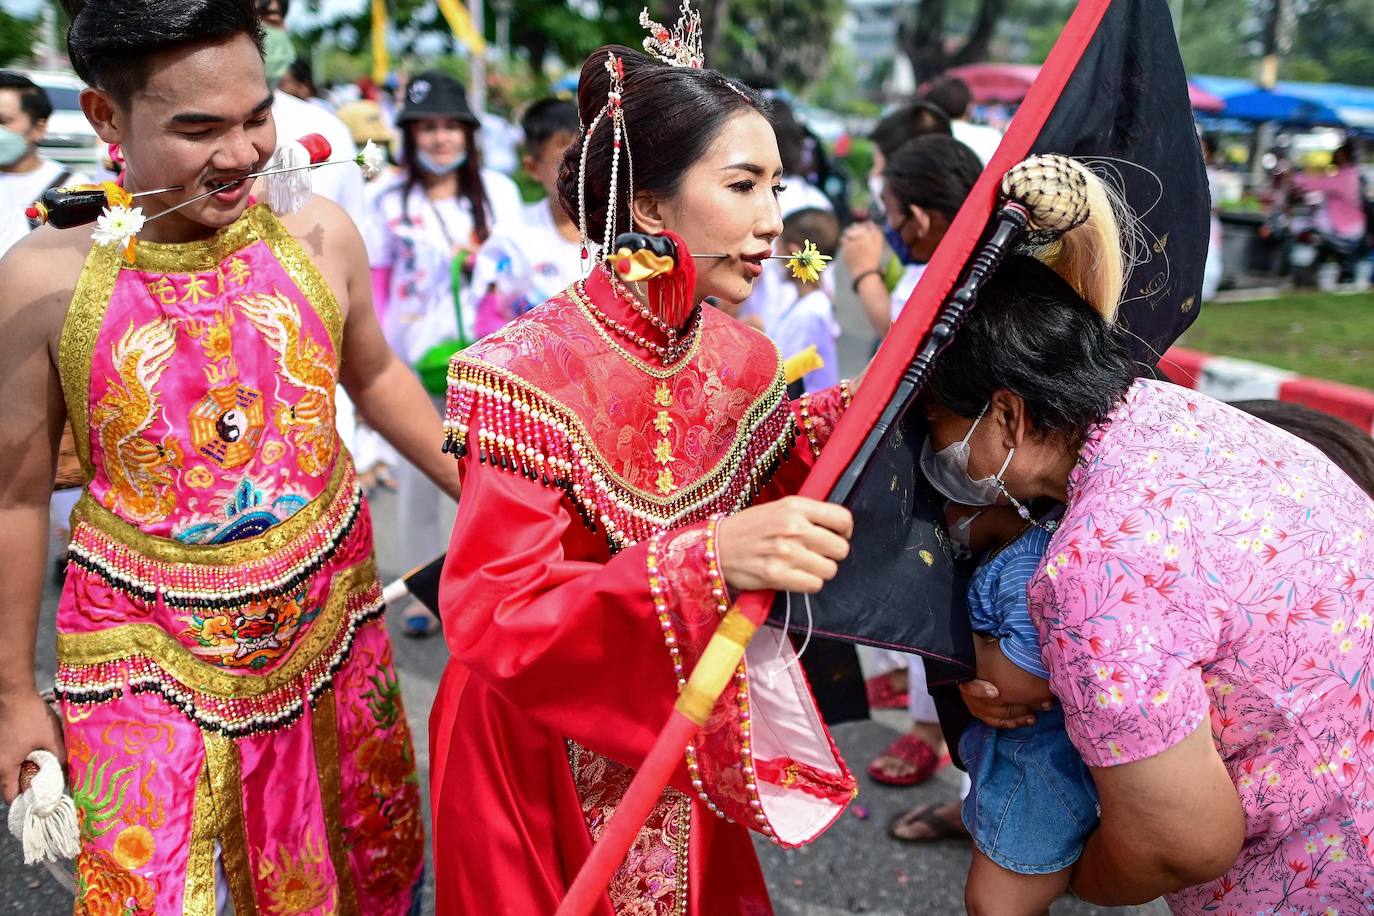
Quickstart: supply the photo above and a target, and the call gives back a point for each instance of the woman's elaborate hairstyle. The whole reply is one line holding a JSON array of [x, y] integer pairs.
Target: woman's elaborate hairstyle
[[111, 42], [934, 172], [671, 115], [469, 178], [1044, 328], [1349, 447]]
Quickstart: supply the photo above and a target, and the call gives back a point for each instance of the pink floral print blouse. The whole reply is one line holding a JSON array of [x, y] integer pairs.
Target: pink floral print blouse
[[1211, 567]]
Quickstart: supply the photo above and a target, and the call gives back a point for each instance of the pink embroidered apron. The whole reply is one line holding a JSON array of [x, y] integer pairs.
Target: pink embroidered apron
[[225, 676]]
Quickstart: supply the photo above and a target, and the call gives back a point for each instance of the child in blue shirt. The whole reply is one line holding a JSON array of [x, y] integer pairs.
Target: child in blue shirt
[[1032, 803]]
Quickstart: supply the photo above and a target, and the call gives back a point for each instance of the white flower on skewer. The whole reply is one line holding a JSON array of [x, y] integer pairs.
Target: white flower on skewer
[[118, 225], [371, 159]]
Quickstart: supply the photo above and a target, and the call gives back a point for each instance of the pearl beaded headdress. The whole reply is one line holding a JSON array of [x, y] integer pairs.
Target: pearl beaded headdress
[[680, 47]]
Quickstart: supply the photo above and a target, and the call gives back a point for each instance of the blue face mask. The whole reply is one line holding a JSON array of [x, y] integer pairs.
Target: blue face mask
[[898, 245], [440, 168]]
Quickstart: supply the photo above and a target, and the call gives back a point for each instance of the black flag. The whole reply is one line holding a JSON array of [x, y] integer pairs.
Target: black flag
[[1112, 92]]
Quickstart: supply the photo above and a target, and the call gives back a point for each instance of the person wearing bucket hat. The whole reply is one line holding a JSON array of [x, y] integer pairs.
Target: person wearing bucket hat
[[424, 225]]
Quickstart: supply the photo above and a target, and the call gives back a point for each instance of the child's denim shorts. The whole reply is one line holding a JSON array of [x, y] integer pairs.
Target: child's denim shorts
[[1033, 802]]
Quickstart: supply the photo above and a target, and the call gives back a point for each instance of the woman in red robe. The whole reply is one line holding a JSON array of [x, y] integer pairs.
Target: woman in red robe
[[622, 463]]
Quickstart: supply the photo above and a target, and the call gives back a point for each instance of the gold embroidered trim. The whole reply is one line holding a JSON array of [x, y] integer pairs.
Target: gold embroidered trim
[[226, 790], [526, 431], [151, 641], [325, 730], [80, 331], [86, 314], [199, 897], [234, 553], [683, 847]]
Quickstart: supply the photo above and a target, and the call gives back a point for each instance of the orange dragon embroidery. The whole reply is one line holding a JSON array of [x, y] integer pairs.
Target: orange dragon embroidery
[[140, 472], [309, 423]]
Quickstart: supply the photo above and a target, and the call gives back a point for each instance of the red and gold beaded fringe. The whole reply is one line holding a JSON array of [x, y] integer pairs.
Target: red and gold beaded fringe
[[218, 710], [191, 586], [519, 429]]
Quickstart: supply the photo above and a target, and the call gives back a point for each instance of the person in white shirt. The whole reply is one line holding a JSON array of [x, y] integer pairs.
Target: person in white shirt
[[24, 175], [539, 255], [424, 229], [500, 141], [952, 95], [804, 315], [923, 185], [797, 194], [295, 117]]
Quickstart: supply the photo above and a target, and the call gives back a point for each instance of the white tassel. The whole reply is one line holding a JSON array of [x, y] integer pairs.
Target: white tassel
[[43, 816], [287, 192]]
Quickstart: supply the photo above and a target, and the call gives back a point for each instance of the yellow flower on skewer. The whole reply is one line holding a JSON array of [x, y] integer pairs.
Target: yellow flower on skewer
[[808, 264]]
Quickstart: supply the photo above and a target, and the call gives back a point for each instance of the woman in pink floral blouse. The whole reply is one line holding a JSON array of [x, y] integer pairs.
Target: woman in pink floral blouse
[[1206, 609]]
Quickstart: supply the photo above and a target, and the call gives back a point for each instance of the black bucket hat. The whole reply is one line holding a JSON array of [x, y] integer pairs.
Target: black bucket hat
[[433, 94]]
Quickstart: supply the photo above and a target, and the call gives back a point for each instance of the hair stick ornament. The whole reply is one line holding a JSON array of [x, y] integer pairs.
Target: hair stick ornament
[[615, 113]]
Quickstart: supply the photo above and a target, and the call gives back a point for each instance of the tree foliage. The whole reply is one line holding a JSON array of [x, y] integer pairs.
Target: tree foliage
[[539, 31], [768, 42], [17, 38], [1333, 41], [925, 36]]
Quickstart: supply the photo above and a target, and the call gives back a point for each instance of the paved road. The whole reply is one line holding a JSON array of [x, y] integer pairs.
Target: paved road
[[854, 868]]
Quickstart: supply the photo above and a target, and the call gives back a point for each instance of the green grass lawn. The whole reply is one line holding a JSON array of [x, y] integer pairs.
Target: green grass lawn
[[1323, 335]]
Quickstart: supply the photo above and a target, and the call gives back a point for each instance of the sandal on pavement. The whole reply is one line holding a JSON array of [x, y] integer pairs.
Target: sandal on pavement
[[883, 694], [915, 753], [940, 827], [418, 622]]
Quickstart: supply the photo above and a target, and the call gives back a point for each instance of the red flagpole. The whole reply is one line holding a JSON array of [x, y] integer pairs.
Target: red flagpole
[[708, 680]]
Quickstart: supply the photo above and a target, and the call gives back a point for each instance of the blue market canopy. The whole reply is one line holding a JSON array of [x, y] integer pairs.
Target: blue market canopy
[[1353, 105], [1266, 105]]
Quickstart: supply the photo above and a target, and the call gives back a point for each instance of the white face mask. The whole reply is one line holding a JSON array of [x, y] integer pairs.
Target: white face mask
[[13, 146], [947, 471], [437, 168]]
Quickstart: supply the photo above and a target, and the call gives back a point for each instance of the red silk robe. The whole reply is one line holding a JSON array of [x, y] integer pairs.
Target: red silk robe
[[587, 474]]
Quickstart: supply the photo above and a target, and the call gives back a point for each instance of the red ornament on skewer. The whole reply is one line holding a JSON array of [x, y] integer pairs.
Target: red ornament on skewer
[[317, 146]]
